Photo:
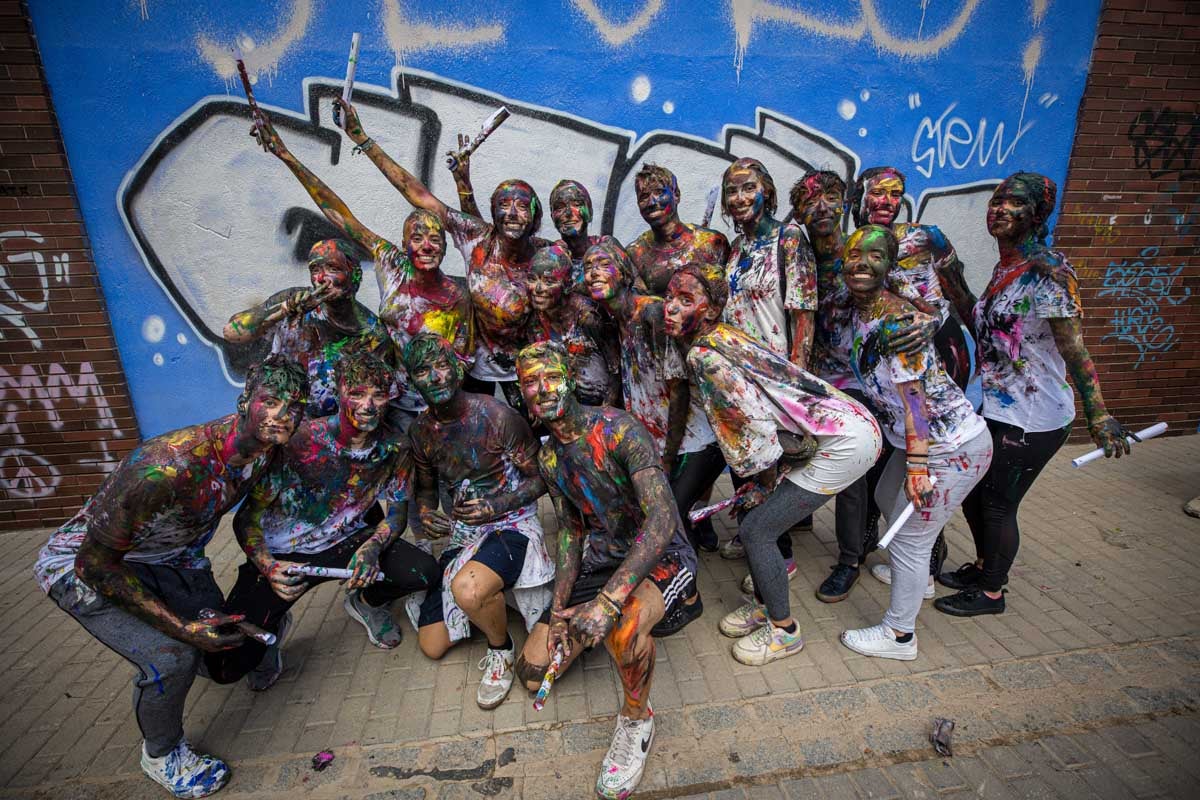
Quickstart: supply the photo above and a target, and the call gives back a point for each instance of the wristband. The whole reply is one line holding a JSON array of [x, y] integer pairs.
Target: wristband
[[612, 603], [467, 193], [362, 148]]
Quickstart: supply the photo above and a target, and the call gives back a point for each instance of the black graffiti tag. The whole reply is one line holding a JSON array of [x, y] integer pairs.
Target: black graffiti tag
[[1165, 142]]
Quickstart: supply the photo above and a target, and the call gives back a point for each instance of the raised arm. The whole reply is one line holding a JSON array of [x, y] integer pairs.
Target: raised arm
[[460, 168], [259, 320], [330, 204], [413, 190]]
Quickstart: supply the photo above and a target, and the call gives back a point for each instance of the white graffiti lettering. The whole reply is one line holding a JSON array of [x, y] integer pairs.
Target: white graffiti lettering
[[946, 135], [13, 304]]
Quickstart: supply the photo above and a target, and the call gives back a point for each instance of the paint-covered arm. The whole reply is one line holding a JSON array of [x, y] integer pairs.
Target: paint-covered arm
[[1105, 430], [332, 206], [678, 400], [799, 267], [803, 328], [569, 561], [917, 486], [365, 561], [434, 524], [248, 530], [460, 168], [405, 182], [658, 527], [953, 280], [260, 320]]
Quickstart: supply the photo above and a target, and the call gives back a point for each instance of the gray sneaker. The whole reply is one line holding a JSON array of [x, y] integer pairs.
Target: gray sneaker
[[497, 666], [381, 628], [270, 667]]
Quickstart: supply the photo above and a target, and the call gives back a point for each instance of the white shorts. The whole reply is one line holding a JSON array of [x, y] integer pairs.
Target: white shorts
[[841, 459]]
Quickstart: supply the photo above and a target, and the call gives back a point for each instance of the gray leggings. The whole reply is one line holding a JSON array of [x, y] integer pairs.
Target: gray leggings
[[166, 667], [760, 529]]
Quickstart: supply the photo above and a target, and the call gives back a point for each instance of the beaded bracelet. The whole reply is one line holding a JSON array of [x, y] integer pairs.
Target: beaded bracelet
[[362, 148]]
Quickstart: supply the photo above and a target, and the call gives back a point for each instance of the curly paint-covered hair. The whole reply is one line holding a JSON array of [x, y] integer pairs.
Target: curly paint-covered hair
[[566, 185], [425, 347], [712, 278], [652, 176], [359, 367], [279, 375], [770, 198], [613, 249], [535, 205], [550, 352], [554, 260], [1037, 190], [858, 195], [814, 182]]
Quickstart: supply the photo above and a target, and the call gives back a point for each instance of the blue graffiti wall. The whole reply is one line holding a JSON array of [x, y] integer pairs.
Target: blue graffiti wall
[[190, 222]]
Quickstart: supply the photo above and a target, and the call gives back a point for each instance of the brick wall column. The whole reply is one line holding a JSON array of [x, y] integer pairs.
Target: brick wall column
[[65, 414], [1130, 217]]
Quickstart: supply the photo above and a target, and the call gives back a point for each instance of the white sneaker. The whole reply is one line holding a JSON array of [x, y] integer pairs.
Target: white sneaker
[[186, 773], [733, 549], [744, 619], [497, 666], [883, 574], [748, 581], [880, 641], [621, 769], [767, 644]]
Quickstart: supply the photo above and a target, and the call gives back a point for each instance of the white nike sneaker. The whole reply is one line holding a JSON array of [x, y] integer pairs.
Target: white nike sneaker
[[883, 574], [880, 641], [746, 618], [497, 666], [186, 773], [621, 770]]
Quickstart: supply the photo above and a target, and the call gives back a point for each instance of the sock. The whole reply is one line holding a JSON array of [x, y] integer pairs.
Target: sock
[[508, 643], [905, 639], [788, 629]]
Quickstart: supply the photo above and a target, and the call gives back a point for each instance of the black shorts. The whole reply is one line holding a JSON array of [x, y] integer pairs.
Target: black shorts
[[670, 575], [502, 552]]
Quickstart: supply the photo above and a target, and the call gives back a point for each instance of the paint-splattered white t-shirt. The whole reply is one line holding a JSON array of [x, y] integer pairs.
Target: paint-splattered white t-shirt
[[769, 277]]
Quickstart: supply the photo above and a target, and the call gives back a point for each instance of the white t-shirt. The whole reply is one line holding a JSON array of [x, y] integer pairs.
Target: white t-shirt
[[768, 277], [1024, 376]]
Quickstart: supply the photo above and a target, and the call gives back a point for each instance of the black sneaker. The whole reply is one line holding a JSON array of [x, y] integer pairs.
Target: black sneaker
[[937, 558], [969, 603], [677, 618], [837, 586], [965, 577]]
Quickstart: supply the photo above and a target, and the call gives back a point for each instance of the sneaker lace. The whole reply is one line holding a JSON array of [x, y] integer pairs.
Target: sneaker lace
[[186, 759], [493, 664], [763, 635], [621, 751]]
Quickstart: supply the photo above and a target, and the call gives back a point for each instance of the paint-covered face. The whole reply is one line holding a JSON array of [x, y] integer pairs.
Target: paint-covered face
[[546, 287], [437, 378], [361, 406], [270, 417], [822, 208], [1010, 213], [513, 211], [657, 203], [866, 260], [546, 387], [569, 210], [688, 307], [882, 197], [745, 196], [424, 242], [340, 278], [601, 275]]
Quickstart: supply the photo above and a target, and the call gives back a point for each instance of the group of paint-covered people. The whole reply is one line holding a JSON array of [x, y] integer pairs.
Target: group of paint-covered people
[[813, 365]]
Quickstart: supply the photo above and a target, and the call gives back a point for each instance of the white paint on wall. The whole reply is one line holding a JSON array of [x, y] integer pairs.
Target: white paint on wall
[[263, 57]]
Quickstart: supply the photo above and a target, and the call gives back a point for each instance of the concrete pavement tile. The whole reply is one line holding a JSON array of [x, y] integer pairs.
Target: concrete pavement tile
[[872, 784], [898, 736], [410, 793], [587, 737], [1156, 699], [1082, 668], [943, 776], [841, 703], [1021, 676], [1007, 762], [298, 773], [717, 718], [795, 710], [903, 695], [826, 751]]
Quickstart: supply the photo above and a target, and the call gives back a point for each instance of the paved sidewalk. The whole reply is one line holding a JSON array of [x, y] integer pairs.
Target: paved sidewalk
[[1089, 685]]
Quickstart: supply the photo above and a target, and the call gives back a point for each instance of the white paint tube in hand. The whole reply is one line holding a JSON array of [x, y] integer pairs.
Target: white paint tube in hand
[[489, 127], [901, 518], [711, 206], [324, 572], [1156, 429], [704, 512], [351, 67]]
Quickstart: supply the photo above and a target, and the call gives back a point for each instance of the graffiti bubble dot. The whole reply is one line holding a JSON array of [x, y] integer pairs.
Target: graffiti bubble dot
[[862, 131], [246, 43], [846, 109], [158, 359], [668, 107], [864, 95], [153, 328], [179, 337], [640, 89]]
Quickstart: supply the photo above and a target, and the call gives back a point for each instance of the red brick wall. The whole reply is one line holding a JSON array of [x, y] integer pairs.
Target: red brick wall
[[1130, 218], [65, 415]]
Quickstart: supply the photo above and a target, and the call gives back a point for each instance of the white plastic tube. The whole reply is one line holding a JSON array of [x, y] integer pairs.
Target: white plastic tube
[[322, 572], [895, 527], [1149, 433], [351, 67]]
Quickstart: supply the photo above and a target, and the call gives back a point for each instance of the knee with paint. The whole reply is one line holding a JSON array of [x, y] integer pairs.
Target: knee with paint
[[173, 662], [624, 642], [467, 592]]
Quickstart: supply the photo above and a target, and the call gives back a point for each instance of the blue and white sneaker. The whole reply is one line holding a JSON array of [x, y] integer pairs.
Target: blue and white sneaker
[[186, 773]]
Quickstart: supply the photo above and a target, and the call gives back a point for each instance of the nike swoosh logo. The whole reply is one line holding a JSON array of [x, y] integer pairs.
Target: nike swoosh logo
[[645, 744]]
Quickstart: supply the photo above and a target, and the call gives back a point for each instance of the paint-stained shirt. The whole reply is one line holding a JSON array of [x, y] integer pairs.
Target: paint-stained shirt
[[649, 359], [161, 504], [316, 492], [750, 393], [405, 313], [1024, 376], [657, 263], [317, 345], [490, 448], [769, 277], [923, 250], [499, 292], [595, 361], [834, 331], [951, 419], [595, 474]]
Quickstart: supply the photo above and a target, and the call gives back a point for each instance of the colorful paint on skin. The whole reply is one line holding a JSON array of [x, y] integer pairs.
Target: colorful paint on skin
[[561, 315], [771, 272], [1027, 322], [571, 212], [162, 503], [651, 366], [670, 243], [880, 196]]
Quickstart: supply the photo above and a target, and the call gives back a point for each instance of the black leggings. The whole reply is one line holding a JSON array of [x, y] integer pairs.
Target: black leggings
[[991, 507], [694, 476], [406, 568], [854, 509], [784, 542]]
